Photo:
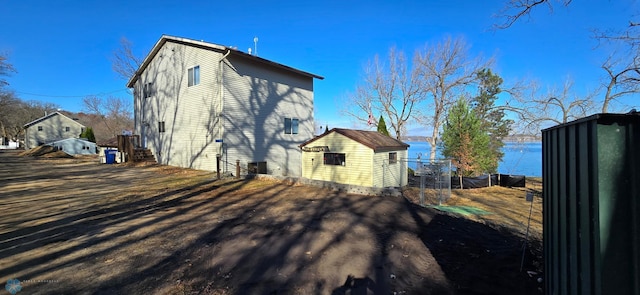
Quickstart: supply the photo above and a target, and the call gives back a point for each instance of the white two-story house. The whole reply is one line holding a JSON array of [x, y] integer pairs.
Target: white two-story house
[[195, 100]]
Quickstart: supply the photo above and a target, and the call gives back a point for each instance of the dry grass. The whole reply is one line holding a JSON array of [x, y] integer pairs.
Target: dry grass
[[507, 207]]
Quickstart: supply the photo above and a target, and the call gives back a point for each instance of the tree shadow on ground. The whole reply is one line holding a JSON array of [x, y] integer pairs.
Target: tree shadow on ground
[[478, 258]]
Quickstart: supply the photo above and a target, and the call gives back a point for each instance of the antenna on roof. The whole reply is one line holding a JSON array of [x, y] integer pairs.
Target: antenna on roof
[[255, 46]]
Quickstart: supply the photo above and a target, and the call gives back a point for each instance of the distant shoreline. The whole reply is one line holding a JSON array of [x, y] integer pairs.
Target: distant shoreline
[[510, 139]]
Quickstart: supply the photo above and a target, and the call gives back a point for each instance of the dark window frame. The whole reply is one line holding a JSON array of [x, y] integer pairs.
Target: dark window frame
[[393, 158], [161, 128], [335, 159], [40, 128], [147, 90], [67, 129]]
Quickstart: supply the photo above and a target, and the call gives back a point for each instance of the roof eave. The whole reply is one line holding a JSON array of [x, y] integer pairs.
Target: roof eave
[[203, 44]]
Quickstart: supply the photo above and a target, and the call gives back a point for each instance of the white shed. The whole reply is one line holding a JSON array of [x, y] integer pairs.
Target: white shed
[[75, 146]]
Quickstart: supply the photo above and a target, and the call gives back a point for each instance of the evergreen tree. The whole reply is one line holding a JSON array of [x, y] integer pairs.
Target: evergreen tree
[[88, 134], [492, 119], [464, 141], [382, 127]]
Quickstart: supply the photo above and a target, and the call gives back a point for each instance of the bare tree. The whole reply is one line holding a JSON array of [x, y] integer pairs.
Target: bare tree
[[5, 69], [620, 81], [124, 62], [515, 10], [393, 91], [555, 107], [110, 115], [445, 70], [622, 75]]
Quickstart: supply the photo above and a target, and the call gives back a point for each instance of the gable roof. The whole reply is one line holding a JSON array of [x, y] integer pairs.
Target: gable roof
[[209, 46], [47, 117], [371, 139]]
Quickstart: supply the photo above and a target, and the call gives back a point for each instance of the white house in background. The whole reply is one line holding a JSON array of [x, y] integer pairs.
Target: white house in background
[[194, 100], [356, 157], [7, 144], [52, 127], [75, 146]]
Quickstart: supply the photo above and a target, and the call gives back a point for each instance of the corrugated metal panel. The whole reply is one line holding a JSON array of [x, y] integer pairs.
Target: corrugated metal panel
[[591, 183]]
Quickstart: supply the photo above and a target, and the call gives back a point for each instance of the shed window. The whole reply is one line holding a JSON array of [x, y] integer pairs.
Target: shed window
[[290, 126], [67, 129], [194, 75], [39, 128], [393, 158], [334, 159], [161, 126]]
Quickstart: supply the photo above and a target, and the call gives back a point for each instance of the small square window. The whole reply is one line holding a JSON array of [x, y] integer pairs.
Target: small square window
[[67, 129], [39, 128], [161, 126], [393, 158], [194, 75]]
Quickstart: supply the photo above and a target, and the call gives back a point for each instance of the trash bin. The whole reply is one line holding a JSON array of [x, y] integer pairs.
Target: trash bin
[[110, 156]]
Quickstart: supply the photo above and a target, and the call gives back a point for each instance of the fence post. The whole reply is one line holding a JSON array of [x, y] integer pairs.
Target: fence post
[[218, 165], [237, 169]]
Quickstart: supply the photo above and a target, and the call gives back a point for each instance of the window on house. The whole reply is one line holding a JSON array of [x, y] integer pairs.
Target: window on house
[[67, 129], [393, 158], [334, 159], [39, 128], [161, 126], [194, 75], [147, 90], [290, 126]]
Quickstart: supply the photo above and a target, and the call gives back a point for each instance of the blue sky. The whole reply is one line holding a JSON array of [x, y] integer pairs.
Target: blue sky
[[61, 49]]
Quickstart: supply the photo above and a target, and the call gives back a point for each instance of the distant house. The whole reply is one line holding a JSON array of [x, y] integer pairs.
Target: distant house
[[75, 146], [355, 157], [194, 100], [6, 143], [52, 127]]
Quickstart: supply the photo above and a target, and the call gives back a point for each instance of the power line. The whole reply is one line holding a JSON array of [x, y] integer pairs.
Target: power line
[[70, 96]]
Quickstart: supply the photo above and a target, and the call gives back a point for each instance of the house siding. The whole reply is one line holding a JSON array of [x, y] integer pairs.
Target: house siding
[[256, 101], [390, 175], [189, 113], [53, 129], [358, 168]]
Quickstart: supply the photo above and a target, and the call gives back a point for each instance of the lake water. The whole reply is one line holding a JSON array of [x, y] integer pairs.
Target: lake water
[[519, 158]]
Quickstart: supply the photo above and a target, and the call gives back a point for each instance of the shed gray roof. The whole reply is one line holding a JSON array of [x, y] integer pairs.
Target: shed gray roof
[[372, 139], [210, 46]]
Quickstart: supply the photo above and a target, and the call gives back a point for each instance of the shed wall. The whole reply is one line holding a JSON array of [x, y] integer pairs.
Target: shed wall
[[386, 174], [358, 168]]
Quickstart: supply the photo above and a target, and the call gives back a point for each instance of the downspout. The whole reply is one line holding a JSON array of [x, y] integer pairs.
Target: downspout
[[220, 104]]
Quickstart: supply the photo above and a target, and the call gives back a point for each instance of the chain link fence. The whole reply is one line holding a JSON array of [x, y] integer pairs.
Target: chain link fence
[[430, 182]]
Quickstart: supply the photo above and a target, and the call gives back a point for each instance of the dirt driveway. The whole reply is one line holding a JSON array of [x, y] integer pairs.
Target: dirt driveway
[[72, 226]]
